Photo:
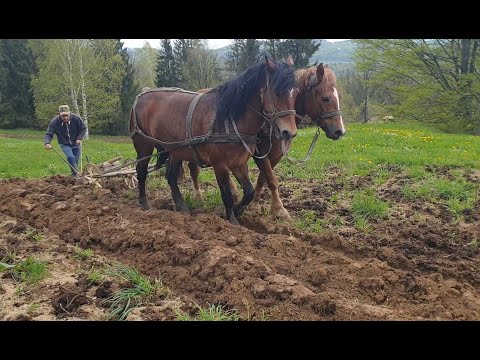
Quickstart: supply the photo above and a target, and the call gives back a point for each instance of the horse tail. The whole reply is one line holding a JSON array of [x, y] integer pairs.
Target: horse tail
[[133, 128]]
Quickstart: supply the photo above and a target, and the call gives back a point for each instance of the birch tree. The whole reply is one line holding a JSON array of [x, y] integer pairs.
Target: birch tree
[[84, 73], [201, 69]]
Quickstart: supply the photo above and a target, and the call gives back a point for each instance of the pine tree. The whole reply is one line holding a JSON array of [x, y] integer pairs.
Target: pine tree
[[128, 92], [301, 50], [180, 54], [243, 54], [232, 63], [167, 71], [250, 53], [16, 69], [271, 46]]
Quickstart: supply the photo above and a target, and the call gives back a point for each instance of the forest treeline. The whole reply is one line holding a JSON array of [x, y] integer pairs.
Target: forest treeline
[[435, 81]]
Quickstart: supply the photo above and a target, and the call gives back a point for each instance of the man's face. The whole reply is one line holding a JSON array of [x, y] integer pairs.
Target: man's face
[[65, 117]]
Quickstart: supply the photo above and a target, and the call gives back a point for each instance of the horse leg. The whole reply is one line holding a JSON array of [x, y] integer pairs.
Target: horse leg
[[276, 206], [255, 205], [241, 174], [172, 179], [142, 167], [222, 175], [233, 187], [194, 171], [172, 174]]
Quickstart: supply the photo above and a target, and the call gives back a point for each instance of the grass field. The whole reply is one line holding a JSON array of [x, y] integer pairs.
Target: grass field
[[363, 148]]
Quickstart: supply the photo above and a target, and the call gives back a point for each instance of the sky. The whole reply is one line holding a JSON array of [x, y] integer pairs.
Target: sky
[[213, 43]]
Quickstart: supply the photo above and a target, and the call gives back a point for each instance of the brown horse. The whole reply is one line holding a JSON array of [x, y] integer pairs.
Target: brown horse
[[218, 128], [319, 99]]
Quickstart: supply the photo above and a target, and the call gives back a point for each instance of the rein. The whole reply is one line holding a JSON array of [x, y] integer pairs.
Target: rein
[[309, 152]]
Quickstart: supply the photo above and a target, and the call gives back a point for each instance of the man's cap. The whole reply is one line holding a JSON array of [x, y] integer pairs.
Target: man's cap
[[64, 109]]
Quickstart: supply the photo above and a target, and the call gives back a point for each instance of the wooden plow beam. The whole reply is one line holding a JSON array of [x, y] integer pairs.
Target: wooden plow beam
[[93, 173]]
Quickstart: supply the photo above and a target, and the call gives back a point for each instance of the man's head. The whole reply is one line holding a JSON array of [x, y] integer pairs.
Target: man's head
[[64, 112]]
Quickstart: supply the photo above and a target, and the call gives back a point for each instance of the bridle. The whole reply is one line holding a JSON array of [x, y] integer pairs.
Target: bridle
[[322, 115], [269, 118]]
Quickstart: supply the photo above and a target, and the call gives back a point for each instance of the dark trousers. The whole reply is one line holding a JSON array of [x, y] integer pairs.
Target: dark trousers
[[73, 153]]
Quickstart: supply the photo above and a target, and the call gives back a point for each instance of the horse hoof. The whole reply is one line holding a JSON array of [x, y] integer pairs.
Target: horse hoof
[[233, 220], [144, 205], [183, 209], [281, 214]]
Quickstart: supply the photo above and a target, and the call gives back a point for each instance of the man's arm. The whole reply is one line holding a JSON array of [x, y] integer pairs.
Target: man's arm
[[83, 129], [49, 133]]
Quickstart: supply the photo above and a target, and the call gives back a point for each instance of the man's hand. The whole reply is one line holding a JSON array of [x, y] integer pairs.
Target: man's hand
[[48, 147], [79, 142]]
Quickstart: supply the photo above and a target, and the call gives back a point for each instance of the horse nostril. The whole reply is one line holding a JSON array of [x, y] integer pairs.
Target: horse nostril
[[339, 133], [286, 135]]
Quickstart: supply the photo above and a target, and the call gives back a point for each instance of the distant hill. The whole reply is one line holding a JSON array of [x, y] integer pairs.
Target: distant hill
[[338, 55], [338, 52], [330, 53]]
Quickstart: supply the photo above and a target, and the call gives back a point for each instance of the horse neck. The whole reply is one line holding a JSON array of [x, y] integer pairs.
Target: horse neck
[[302, 77], [251, 122]]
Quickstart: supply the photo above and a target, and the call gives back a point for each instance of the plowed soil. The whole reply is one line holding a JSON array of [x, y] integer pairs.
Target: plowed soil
[[419, 263]]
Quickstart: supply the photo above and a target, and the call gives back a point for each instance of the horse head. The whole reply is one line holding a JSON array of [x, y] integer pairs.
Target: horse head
[[279, 95], [322, 102], [264, 92]]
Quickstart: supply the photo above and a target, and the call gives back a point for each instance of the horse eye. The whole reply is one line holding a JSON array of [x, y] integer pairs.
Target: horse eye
[[326, 99]]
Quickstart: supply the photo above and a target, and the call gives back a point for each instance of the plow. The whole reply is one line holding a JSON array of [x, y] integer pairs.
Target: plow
[[92, 174]]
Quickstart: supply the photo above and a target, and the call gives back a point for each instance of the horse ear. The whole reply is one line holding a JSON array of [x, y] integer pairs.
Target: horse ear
[[290, 60], [270, 64], [320, 72]]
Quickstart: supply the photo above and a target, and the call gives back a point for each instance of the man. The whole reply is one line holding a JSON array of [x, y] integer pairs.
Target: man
[[70, 130]]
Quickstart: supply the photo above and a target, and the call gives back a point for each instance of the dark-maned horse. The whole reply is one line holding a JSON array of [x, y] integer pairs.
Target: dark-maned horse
[[319, 99], [218, 128]]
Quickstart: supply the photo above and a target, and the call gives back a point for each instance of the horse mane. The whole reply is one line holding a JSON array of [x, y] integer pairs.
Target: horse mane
[[235, 94], [304, 76]]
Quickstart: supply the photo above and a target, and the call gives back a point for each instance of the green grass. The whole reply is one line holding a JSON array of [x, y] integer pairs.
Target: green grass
[[26, 157], [211, 313], [379, 151], [391, 143], [29, 271], [140, 290], [82, 254], [367, 206], [310, 222], [364, 146], [34, 235], [95, 276]]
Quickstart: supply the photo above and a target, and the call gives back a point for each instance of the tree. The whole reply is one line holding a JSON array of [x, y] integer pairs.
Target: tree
[[430, 80], [180, 54], [167, 70], [144, 64], [128, 92], [84, 73], [16, 69], [243, 54], [201, 69], [271, 45], [232, 62], [301, 50]]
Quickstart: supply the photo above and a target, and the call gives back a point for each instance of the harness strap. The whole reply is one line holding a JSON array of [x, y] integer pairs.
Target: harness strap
[[191, 108], [245, 145]]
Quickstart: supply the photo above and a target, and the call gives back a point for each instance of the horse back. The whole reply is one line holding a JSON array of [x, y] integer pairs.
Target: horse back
[[163, 114]]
